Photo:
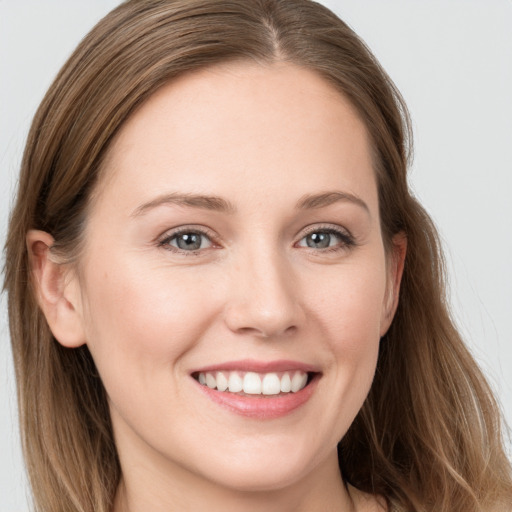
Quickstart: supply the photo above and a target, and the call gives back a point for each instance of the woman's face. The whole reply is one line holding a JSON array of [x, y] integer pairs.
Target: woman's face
[[235, 239]]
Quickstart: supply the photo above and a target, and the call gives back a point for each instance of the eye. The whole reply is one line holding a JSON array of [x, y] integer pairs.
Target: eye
[[320, 240], [187, 240], [326, 238]]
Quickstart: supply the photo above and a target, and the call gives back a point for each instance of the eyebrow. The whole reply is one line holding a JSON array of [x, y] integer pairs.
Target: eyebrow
[[313, 201], [204, 202], [218, 204]]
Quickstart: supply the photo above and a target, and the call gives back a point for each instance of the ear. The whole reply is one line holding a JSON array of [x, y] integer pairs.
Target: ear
[[57, 290], [396, 261]]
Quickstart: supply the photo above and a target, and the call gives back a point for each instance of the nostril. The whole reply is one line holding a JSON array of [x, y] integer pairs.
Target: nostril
[[269, 332]]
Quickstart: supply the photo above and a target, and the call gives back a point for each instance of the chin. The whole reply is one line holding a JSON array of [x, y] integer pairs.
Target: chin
[[259, 479], [265, 471]]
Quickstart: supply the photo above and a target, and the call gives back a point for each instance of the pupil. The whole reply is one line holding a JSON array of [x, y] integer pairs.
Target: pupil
[[190, 241], [319, 240]]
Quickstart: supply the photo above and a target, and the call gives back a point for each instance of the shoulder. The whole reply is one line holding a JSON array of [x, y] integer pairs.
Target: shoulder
[[364, 502]]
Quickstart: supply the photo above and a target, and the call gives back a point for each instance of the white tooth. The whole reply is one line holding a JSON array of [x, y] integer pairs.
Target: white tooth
[[235, 383], [210, 381], [222, 382], [271, 385], [286, 383], [252, 383], [202, 379], [299, 381]]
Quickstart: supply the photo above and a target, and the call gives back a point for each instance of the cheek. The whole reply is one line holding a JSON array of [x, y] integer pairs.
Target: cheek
[[144, 319], [344, 310], [355, 335], [349, 308], [350, 304]]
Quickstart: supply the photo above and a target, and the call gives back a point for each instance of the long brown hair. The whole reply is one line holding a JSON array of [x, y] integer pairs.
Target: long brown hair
[[428, 436]]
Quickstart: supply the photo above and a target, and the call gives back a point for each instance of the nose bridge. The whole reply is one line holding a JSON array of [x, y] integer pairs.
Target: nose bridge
[[263, 299]]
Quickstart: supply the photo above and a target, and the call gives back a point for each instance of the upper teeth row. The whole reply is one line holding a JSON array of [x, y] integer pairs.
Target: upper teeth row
[[254, 383]]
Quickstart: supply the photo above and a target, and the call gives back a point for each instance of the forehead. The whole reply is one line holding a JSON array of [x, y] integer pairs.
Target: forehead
[[240, 125]]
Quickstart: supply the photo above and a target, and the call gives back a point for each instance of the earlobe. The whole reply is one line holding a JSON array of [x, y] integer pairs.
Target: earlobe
[[57, 290], [396, 268]]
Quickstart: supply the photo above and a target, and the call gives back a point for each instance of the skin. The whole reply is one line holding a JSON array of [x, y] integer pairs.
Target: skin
[[261, 138]]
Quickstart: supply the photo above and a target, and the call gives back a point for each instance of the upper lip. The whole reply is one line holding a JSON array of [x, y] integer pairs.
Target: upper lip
[[250, 365]]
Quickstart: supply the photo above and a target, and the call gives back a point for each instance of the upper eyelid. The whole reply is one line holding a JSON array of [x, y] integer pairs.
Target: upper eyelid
[[172, 232], [324, 227]]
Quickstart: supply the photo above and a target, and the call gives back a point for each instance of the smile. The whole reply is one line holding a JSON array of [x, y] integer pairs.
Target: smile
[[258, 390], [252, 383]]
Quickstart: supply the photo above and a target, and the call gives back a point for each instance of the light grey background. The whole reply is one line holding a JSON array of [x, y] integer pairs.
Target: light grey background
[[452, 60]]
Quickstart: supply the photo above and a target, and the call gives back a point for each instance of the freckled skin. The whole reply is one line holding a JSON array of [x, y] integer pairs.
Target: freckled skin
[[260, 137]]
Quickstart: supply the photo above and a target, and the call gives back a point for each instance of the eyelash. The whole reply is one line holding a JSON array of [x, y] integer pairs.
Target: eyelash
[[347, 241], [165, 242]]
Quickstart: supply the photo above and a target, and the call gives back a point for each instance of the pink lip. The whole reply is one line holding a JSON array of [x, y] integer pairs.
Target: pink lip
[[259, 406], [250, 365]]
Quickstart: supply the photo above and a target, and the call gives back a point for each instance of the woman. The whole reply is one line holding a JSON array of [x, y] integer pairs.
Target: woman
[[234, 300]]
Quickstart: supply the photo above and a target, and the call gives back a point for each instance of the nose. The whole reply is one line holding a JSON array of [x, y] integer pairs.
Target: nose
[[263, 298]]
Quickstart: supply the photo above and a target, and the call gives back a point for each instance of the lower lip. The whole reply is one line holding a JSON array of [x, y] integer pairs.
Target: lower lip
[[260, 406]]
